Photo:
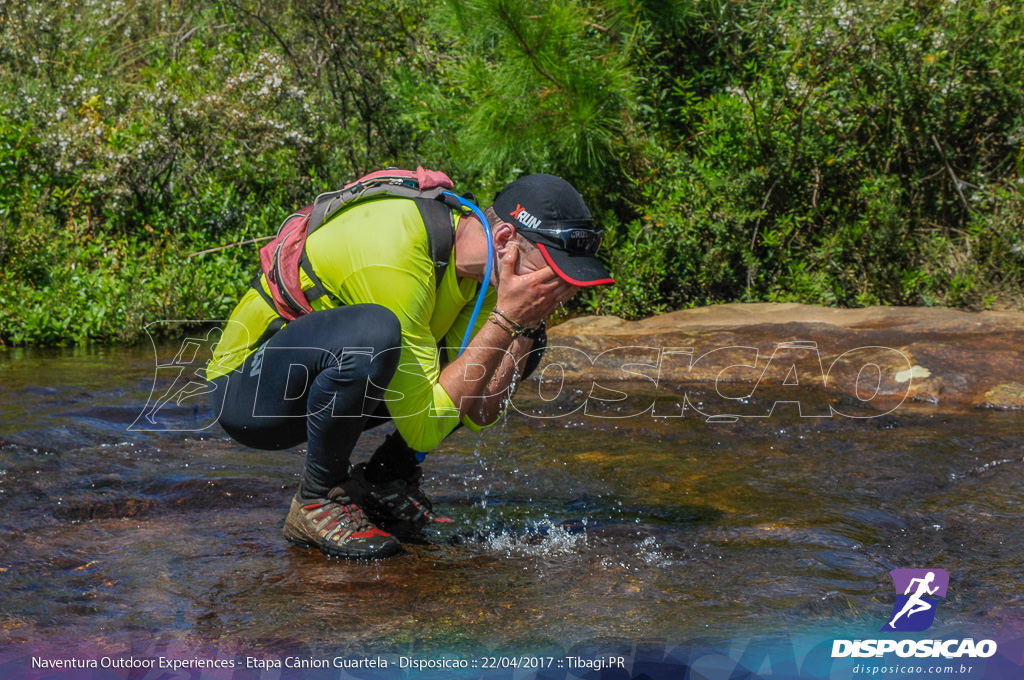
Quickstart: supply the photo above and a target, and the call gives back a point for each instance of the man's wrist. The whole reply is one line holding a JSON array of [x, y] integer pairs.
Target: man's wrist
[[514, 327], [536, 331]]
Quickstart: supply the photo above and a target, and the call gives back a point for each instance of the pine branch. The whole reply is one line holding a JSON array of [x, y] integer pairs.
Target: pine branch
[[527, 50]]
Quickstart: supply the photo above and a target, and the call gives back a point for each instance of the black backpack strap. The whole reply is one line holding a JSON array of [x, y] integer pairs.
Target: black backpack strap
[[317, 290], [437, 216], [258, 285], [440, 225]]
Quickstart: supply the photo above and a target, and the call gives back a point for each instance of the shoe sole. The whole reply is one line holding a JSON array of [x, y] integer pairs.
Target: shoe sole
[[383, 552]]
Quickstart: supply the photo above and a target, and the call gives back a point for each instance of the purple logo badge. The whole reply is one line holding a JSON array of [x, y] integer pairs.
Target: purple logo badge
[[916, 593]]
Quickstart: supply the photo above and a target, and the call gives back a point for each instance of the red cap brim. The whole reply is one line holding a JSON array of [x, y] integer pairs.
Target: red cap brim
[[579, 270]]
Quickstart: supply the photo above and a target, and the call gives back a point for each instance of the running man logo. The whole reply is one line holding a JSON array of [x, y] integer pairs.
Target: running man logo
[[914, 609]]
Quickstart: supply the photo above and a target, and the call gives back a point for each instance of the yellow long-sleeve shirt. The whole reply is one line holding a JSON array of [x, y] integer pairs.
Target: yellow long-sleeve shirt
[[377, 252]]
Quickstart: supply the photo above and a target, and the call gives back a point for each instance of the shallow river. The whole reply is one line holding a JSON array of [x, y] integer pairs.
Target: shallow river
[[567, 532]]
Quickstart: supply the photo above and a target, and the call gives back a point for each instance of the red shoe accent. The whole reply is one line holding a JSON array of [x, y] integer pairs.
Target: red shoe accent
[[370, 533]]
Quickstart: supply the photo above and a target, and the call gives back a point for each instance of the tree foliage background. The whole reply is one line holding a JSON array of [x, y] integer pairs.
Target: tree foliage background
[[820, 151]]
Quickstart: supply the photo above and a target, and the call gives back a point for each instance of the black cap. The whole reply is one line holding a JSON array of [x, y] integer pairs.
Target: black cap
[[549, 212]]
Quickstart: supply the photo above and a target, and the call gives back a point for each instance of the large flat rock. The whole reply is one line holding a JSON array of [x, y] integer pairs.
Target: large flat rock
[[877, 358]]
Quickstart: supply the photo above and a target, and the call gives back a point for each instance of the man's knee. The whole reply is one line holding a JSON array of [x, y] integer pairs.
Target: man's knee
[[368, 326], [381, 334], [380, 327]]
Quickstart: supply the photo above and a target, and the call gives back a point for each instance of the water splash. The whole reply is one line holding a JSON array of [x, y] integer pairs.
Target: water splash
[[544, 538]]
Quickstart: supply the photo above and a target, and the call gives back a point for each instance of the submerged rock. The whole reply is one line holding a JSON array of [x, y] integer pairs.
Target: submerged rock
[[1009, 396]]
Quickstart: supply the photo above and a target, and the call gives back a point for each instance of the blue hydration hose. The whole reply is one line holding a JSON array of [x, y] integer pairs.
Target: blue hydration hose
[[487, 272], [421, 455]]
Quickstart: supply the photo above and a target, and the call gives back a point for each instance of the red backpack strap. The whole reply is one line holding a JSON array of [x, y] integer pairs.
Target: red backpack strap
[[280, 261]]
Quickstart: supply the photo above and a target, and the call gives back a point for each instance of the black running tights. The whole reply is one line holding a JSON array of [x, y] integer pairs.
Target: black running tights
[[319, 379]]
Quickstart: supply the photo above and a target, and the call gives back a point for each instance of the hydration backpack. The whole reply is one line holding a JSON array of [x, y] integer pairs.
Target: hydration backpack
[[282, 258]]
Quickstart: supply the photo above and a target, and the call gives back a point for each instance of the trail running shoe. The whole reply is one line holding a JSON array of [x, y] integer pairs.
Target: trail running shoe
[[338, 527], [399, 504]]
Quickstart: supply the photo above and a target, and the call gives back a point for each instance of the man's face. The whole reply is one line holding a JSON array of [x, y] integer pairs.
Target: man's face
[[532, 260], [530, 257]]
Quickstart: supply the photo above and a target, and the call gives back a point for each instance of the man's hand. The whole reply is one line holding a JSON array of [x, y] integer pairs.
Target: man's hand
[[529, 298], [478, 381]]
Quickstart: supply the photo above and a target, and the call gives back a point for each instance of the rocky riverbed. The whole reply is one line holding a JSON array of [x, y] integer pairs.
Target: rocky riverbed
[[876, 358], [573, 524]]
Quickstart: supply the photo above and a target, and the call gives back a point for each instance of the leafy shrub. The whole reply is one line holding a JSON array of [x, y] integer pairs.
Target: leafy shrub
[[812, 150], [837, 153], [522, 86], [134, 132]]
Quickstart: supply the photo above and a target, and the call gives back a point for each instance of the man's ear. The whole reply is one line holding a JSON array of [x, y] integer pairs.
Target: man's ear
[[504, 235]]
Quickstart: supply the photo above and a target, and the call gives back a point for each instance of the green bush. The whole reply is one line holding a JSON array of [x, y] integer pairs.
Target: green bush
[[812, 150], [133, 133], [830, 152]]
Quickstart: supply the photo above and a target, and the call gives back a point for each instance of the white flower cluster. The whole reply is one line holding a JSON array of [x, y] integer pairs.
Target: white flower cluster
[[120, 134]]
